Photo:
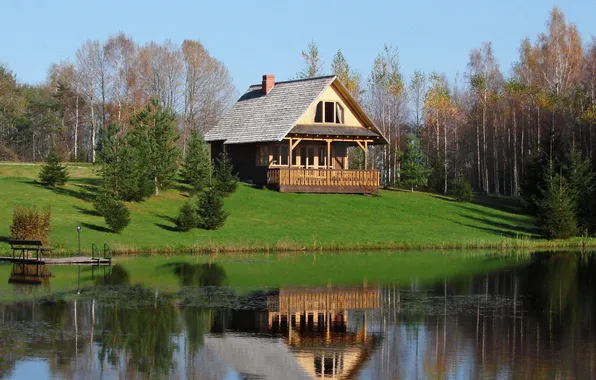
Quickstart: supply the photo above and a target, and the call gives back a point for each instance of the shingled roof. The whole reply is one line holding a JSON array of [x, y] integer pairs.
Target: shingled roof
[[258, 117]]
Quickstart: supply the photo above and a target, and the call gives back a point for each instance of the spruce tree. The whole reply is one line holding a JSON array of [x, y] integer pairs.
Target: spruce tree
[[581, 187], [187, 217], [224, 180], [211, 214], [154, 137], [196, 168], [413, 172], [52, 173], [555, 210], [124, 171]]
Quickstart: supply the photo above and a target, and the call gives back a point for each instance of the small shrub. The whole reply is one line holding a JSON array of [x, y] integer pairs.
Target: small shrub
[[211, 214], [187, 218], [52, 173], [116, 214], [30, 223], [462, 191]]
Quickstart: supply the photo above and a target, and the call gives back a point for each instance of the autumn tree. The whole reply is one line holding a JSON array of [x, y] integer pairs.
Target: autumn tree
[[312, 61]]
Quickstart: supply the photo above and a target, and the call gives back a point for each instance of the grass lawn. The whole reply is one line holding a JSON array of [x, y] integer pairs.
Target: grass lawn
[[262, 220]]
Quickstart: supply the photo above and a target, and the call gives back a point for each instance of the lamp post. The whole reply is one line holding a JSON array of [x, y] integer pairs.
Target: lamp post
[[79, 238]]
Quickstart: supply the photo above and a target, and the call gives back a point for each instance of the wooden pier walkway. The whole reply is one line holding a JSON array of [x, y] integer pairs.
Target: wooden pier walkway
[[76, 260]]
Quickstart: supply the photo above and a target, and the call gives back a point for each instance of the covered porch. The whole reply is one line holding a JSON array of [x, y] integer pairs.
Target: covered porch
[[314, 159]]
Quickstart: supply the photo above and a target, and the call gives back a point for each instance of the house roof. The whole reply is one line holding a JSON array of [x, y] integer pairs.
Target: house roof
[[258, 117], [333, 130]]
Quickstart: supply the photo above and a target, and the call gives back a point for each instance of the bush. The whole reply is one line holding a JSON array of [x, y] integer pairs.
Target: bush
[[52, 173], [115, 212], [462, 191], [187, 218], [211, 214], [29, 223]]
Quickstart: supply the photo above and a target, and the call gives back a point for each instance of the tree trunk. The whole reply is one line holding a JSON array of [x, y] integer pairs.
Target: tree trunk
[[515, 177], [76, 129], [484, 165], [445, 153], [156, 186], [495, 156], [479, 171], [92, 132]]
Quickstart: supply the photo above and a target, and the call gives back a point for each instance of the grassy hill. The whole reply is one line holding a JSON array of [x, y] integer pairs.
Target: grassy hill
[[263, 220]]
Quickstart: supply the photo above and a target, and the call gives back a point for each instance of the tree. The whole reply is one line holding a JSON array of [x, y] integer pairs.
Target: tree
[[346, 75], [414, 172], [116, 215], [196, 167], [314, 64], [555, 210], [52, 173], [210, 211], [154, 136], [225, 181], [581, 187], [187, 217], [124, 170]]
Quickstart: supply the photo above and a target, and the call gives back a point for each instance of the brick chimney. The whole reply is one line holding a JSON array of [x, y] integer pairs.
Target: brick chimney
[[268, 83]]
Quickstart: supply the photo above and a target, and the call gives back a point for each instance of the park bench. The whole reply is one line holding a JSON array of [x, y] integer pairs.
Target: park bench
[[26, 247]]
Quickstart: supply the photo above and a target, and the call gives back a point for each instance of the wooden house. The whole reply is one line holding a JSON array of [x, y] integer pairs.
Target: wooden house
[[294, 136]]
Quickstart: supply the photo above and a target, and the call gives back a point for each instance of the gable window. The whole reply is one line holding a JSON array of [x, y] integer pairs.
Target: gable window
[[329, 112], [319, 114], [339, 113]]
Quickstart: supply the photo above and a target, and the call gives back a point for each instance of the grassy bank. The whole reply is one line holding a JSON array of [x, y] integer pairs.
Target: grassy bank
[[264, 220], [246, 272]]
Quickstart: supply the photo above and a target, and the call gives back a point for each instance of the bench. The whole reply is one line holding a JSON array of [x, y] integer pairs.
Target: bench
[[25, 247]]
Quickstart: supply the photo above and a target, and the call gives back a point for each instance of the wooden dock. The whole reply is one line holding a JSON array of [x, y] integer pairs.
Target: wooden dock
[[76, 260]]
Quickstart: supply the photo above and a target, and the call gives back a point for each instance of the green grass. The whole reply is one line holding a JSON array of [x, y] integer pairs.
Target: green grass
[[250, 271], [265, 220]]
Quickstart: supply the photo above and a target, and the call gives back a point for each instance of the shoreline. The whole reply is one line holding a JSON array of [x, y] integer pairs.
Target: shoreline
[[284, 247]]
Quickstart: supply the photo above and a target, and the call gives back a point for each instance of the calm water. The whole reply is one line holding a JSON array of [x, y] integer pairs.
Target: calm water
[[530, 318]]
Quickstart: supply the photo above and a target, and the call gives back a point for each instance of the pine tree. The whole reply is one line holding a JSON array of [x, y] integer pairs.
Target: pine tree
[[154, 136], [555, 209], [125, 174], [52, 173], [581, 187], [211, 214], [196, 168], [314, 64], [187, 217], [225, 181], [413, 171]]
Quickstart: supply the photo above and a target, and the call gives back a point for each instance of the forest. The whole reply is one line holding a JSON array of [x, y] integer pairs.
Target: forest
[[525, 131]]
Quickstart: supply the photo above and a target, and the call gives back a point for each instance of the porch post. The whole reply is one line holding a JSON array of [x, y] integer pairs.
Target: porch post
[[365, 155], [328, 154], [290, 154]]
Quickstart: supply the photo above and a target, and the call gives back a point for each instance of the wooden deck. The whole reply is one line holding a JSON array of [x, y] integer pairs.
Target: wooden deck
[[76, 260], [297, 180]]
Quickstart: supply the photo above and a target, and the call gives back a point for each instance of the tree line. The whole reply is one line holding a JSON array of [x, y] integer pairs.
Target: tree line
[[522, 134], [107, 84]]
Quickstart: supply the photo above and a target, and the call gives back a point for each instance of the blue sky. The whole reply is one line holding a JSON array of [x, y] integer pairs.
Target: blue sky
[[257, 37]]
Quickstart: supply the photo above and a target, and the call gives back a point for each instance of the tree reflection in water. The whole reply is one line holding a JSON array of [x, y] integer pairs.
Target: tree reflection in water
[[531, 321]]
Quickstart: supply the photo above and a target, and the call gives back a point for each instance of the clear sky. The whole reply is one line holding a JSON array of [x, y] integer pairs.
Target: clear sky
[[257, 37]]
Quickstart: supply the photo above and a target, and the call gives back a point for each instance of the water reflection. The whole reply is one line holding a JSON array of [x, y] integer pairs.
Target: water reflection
[[532, 322], [30, 279]]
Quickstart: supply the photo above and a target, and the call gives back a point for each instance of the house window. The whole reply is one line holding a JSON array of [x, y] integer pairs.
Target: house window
[[262, 155], [329, 112], [319, 114], [339, 113], [322, 157], [280, 155]]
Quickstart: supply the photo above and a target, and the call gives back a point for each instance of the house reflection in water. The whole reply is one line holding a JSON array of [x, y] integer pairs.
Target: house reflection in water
[[306, 333]]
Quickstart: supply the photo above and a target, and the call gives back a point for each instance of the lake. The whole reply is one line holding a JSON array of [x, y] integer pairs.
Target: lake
[[379, 315]]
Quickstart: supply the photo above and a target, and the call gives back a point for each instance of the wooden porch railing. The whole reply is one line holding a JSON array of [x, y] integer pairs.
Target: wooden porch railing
[[323, 180]]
